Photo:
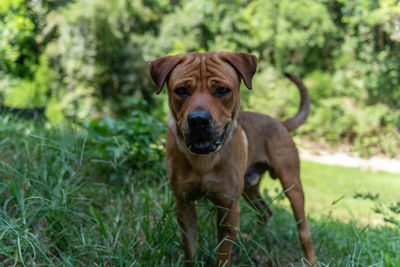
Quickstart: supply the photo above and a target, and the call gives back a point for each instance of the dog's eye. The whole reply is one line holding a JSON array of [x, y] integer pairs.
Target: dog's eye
[[182, 92], [221, 91]]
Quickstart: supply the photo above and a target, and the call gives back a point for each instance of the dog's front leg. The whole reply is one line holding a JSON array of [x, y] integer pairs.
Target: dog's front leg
[[228, 226], [187, 219]]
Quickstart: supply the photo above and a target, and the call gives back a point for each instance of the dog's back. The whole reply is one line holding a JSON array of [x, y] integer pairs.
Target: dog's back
[[262, 129]]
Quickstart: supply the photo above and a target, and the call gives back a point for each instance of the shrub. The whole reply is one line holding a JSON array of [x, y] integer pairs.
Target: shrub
[[339, 110], [132, 146]]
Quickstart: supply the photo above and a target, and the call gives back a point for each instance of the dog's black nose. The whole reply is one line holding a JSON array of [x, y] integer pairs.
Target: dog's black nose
[[199, 119]]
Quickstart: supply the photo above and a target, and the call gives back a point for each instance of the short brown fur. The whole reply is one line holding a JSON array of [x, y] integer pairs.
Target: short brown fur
[[254, 143]]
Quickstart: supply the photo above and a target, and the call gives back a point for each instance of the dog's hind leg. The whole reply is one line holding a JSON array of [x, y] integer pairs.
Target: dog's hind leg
[[251, 191], [288, 171], [252, 195], [296, 197]]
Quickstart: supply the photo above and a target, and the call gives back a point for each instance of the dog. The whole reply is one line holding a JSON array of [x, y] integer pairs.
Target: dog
[[214, 149]]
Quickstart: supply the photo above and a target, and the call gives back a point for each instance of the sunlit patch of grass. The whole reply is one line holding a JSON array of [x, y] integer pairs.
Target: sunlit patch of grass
[[345, 194]]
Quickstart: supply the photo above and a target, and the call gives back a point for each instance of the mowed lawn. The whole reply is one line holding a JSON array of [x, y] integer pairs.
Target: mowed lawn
[[345, 194]]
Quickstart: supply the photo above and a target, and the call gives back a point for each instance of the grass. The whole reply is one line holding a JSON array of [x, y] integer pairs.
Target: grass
[[345, 194], [62, 204]]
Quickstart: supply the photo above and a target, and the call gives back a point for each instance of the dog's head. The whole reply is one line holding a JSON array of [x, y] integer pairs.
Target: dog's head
[[203, 92]]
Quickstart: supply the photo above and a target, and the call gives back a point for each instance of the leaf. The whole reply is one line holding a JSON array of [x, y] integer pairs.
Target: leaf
[[99, 221]]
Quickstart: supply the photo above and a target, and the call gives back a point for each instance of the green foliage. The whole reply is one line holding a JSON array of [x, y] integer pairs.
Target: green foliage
[[83, 58], [96, 193], [354, 123], [102, 50], [371, 28], [30, 93], [59, 207], [279, 32], [128, 147], [17, 38]]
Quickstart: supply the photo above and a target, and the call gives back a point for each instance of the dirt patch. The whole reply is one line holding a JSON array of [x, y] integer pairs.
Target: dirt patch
[[352, 160]]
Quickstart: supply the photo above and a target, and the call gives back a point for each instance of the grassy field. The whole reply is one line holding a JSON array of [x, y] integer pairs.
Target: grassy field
[[62, 203]]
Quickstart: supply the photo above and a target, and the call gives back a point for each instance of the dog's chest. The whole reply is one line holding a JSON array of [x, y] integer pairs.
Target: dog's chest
[[202, 184], [195, 186]]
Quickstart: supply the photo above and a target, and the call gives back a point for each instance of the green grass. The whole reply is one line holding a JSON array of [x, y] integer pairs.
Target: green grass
[[344, 193], [62, 205]]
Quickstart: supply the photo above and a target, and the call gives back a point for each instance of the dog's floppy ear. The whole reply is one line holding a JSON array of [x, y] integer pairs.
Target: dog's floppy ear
[[161, 67], [244, 63]]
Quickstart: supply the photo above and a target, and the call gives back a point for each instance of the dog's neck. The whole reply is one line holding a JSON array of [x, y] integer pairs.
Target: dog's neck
[[201, 162]]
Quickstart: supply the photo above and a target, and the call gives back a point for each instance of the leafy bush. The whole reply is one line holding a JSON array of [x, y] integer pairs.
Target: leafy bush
[[338, 113], [102, 51], [128, 147], [17, 39]]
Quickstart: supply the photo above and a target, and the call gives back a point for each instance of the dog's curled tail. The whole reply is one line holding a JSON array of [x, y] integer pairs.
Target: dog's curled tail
[[294, 122]]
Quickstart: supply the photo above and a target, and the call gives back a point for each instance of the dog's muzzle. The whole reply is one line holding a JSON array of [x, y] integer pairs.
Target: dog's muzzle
[[202, 137]]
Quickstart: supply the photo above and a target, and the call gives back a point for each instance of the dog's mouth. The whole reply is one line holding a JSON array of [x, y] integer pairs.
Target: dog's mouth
[[203, 143]]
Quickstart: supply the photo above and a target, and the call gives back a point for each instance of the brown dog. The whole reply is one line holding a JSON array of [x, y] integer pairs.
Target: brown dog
[[214, 148]]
